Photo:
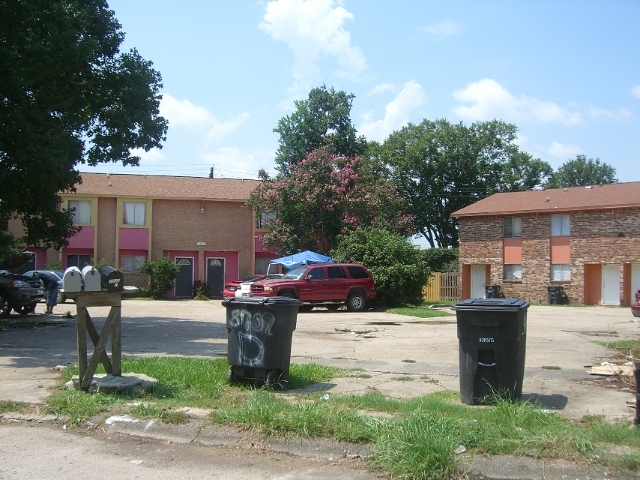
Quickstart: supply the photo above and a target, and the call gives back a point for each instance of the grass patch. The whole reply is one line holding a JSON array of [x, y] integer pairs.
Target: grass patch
[[11, 406], [624, 347], [415, 438], [420, 312]]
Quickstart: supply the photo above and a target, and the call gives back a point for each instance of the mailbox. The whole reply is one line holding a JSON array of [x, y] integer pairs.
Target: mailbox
[[112, 279], [72, 280], [91, 279]]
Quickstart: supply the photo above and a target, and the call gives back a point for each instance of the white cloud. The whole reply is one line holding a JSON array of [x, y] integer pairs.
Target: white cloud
[[491, 100], [600, 113], [383, 87], [222, 129], [635, 91], [396, 113], [151, 156], [231, 162], [311, 29], [184, 113], [560, 150], [443, 29]]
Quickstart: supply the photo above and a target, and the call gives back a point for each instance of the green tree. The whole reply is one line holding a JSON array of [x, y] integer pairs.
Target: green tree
[[582, 172], [161, 273], [322, 120], [398, 267], [324, 196], [439, 167], [67, 96]]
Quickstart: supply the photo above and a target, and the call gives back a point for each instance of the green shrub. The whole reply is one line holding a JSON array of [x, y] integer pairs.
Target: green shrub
[[398, 267], [162, 273]]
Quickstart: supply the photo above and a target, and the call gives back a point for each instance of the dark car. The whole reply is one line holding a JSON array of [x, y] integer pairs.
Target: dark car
[[327, 285], [19, 292], [54, 275]]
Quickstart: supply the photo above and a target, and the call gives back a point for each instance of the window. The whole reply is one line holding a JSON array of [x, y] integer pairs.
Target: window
[[133, 213], [560, 272], [132, 263], [512, 272], [357, 272], [512, 227], [264, 219], [79, 261], [336, 272], [560, 225], [81, 211], [316, 274]]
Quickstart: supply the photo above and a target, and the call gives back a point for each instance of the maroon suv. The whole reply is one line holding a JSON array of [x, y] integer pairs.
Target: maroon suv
[[323, 284]]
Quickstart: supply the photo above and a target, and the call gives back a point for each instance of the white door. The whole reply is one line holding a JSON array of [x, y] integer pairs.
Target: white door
[[611, 284], [635, 281], [478, 277]]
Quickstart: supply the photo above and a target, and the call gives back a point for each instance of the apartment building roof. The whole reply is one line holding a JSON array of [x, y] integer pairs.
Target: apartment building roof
[[596, 197], [164, 186]]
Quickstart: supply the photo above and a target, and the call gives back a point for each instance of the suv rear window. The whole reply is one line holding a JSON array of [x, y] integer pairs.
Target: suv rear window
[[357, 272], [336, 272]]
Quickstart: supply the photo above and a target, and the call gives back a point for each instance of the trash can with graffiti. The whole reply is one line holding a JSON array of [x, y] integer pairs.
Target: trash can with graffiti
[[492, 337], [260, 333]]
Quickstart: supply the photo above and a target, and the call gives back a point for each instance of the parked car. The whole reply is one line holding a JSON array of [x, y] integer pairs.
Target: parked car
[[19, 292], [635, 308], [57, 274], [323, 284], [240, 288], [245, 287]]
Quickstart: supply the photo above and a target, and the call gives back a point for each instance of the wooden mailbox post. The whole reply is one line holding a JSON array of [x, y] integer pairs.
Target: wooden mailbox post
[[111, 329]]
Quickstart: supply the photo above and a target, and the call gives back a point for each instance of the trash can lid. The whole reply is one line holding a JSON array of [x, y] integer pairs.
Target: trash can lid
[[284, 301], [484, 304]]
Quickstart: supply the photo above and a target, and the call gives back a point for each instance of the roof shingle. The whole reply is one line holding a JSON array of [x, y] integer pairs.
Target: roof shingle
[[160, 186], [596, 197]]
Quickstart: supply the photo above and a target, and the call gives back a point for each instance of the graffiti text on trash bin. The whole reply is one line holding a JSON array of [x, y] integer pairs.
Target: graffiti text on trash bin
[[249, 328]]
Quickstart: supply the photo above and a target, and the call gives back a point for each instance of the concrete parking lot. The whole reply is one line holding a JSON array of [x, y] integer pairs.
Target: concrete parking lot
[[402, 356]]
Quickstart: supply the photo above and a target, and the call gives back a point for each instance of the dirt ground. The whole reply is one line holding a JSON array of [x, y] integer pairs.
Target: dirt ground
[[398, 356]]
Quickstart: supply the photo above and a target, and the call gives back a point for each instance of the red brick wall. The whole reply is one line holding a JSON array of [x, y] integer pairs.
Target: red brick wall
[[224, 226], [597, 237]]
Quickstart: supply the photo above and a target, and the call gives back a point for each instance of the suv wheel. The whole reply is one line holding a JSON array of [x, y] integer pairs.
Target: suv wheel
[[5, 306], [356, 302]]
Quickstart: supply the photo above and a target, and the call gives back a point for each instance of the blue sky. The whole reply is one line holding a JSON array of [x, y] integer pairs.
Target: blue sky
[[566, 72]]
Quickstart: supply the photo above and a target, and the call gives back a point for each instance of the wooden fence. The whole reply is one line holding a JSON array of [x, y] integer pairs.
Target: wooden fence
[[442, 287]]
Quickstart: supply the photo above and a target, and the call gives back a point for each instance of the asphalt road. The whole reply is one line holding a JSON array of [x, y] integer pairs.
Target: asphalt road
[[403, 357]]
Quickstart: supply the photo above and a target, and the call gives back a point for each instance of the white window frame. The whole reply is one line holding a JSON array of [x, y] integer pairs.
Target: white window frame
[[561, 225], [512, 227], [134, 213], [81, 211], [512, 271], [131, 263], [560, 272], [263, 218]]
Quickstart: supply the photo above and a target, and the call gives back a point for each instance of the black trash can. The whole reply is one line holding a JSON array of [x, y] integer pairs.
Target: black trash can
[[260, 332], [556, 294], [492, 291], [492, 337]]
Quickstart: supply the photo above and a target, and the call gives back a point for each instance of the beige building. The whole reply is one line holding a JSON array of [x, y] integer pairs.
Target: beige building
[[200, 223]]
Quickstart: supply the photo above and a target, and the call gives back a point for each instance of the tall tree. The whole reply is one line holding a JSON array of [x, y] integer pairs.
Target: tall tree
[[322, 120], [324, 196], [439, 167], [67, 97], [581, 172]]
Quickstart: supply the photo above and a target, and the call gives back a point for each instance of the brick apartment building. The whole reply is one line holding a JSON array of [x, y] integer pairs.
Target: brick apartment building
[[585, 240], [200, 223]]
